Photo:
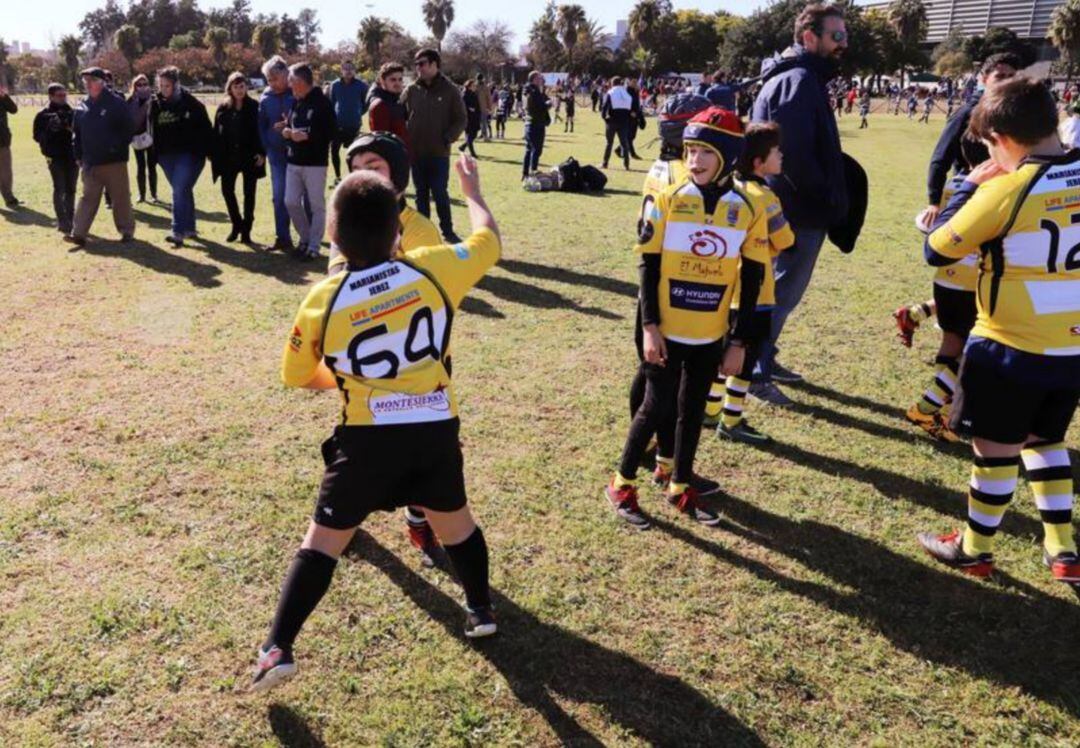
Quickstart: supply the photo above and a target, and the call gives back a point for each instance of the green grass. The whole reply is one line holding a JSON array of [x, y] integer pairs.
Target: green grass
[[156, 479]]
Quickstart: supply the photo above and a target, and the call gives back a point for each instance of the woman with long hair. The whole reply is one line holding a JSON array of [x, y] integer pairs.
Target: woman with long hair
[[238, 151], [139, 96]]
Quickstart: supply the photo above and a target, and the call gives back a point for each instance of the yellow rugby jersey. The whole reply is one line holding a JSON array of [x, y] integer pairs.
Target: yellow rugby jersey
[[699, 258], [964, 274], [662, 174], [1026, 227], [416, 231], [384, 332], [781, 237]]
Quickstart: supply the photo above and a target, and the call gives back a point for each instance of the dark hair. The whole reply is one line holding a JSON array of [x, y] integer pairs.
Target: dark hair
[[364, 218], [429, 54], [616, 81], [169, 73], [56, 88], [1020, 108], [718, 76], [1009, 59], [813, 18], [303, 71], [758, 141], [389, 68]]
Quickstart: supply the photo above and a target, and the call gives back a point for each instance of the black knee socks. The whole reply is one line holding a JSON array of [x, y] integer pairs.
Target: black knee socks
[[306, 583], [470, 560]]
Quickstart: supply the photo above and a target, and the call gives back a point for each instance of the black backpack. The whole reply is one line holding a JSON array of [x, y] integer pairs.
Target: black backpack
[[570, 171], [592, 179]]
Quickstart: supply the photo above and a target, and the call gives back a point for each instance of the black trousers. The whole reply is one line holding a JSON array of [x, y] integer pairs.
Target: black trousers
[[343, 138], [674, 394], [64, 175], [146, 171], [240, 224], [622, 131]]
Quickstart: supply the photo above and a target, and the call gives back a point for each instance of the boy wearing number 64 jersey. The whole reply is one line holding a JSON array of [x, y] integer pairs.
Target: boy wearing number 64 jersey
[[379, 332], [1020, 377]]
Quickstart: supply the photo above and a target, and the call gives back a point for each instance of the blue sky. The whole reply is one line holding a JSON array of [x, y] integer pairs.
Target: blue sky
[[340, 19]]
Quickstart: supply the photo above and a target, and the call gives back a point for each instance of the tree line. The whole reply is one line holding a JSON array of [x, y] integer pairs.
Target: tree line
[[206, 45]]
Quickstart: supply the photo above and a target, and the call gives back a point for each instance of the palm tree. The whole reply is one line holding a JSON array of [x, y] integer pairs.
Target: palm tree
[[70, 47], [216, 39], [267, 39], [438, 16], [592, 44], [908, 19], [643, 60], [569, 22], [373, 32], [645, 18], [1064, 32], [127, 41]]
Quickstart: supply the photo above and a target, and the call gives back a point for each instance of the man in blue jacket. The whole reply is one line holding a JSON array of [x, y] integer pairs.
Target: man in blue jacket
[[103, 128], [811, 188], [348, 96], [274, 107]]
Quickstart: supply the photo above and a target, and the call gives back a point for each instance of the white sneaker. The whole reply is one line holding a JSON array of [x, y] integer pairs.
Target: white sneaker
[[272, 668]]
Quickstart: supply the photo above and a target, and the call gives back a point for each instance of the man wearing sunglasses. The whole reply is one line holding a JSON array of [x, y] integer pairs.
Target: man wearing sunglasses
[[436, 115], [812, 186]]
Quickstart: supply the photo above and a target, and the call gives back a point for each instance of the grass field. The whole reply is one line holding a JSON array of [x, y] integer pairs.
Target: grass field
[[156, 480]]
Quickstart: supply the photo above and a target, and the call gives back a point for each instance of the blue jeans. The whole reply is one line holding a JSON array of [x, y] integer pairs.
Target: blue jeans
[[278, 164], [431, 177], [793, 269], [534, 146], [182, 170]]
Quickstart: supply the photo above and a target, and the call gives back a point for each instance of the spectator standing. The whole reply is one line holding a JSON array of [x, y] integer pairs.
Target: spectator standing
[[483, 94], [811, 187], [637, 116], [103, 130], [309, 133], [54, 132], [182, 137], [616, 112], [139, 98], [349, 96], [472, 116], [274, 107], [705, 84], [537, 118], [571, 107], [385, 110], [7, 178], [502, 113], [238, 151], [436, 118], [721, 93], [594, 95]]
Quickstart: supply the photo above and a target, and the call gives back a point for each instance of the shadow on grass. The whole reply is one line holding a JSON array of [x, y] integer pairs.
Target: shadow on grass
[[1026, 641], [541, 660], [24, 216], [846, 398], [948, 501], [878, 430], [479, 307], [570, 277], [154, 258], [275, 265], [291, 729], [539, 298]]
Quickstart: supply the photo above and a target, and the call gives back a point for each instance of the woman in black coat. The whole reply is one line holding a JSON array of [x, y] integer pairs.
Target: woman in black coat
[[472, 116], [237, 151]]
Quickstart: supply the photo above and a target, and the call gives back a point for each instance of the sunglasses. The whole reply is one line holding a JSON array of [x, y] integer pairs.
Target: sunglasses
[[836, 36], [420, 63]]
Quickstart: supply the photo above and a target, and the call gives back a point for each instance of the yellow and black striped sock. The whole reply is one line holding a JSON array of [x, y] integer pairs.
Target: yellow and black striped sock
[[942, 388], [1050, 475], [735, 401], [919, 313], [993, 482], [714, 403]]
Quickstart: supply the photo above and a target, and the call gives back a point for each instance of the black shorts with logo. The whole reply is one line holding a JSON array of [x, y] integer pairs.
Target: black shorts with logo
[[955, 310], [371, 468], [992, 402]]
